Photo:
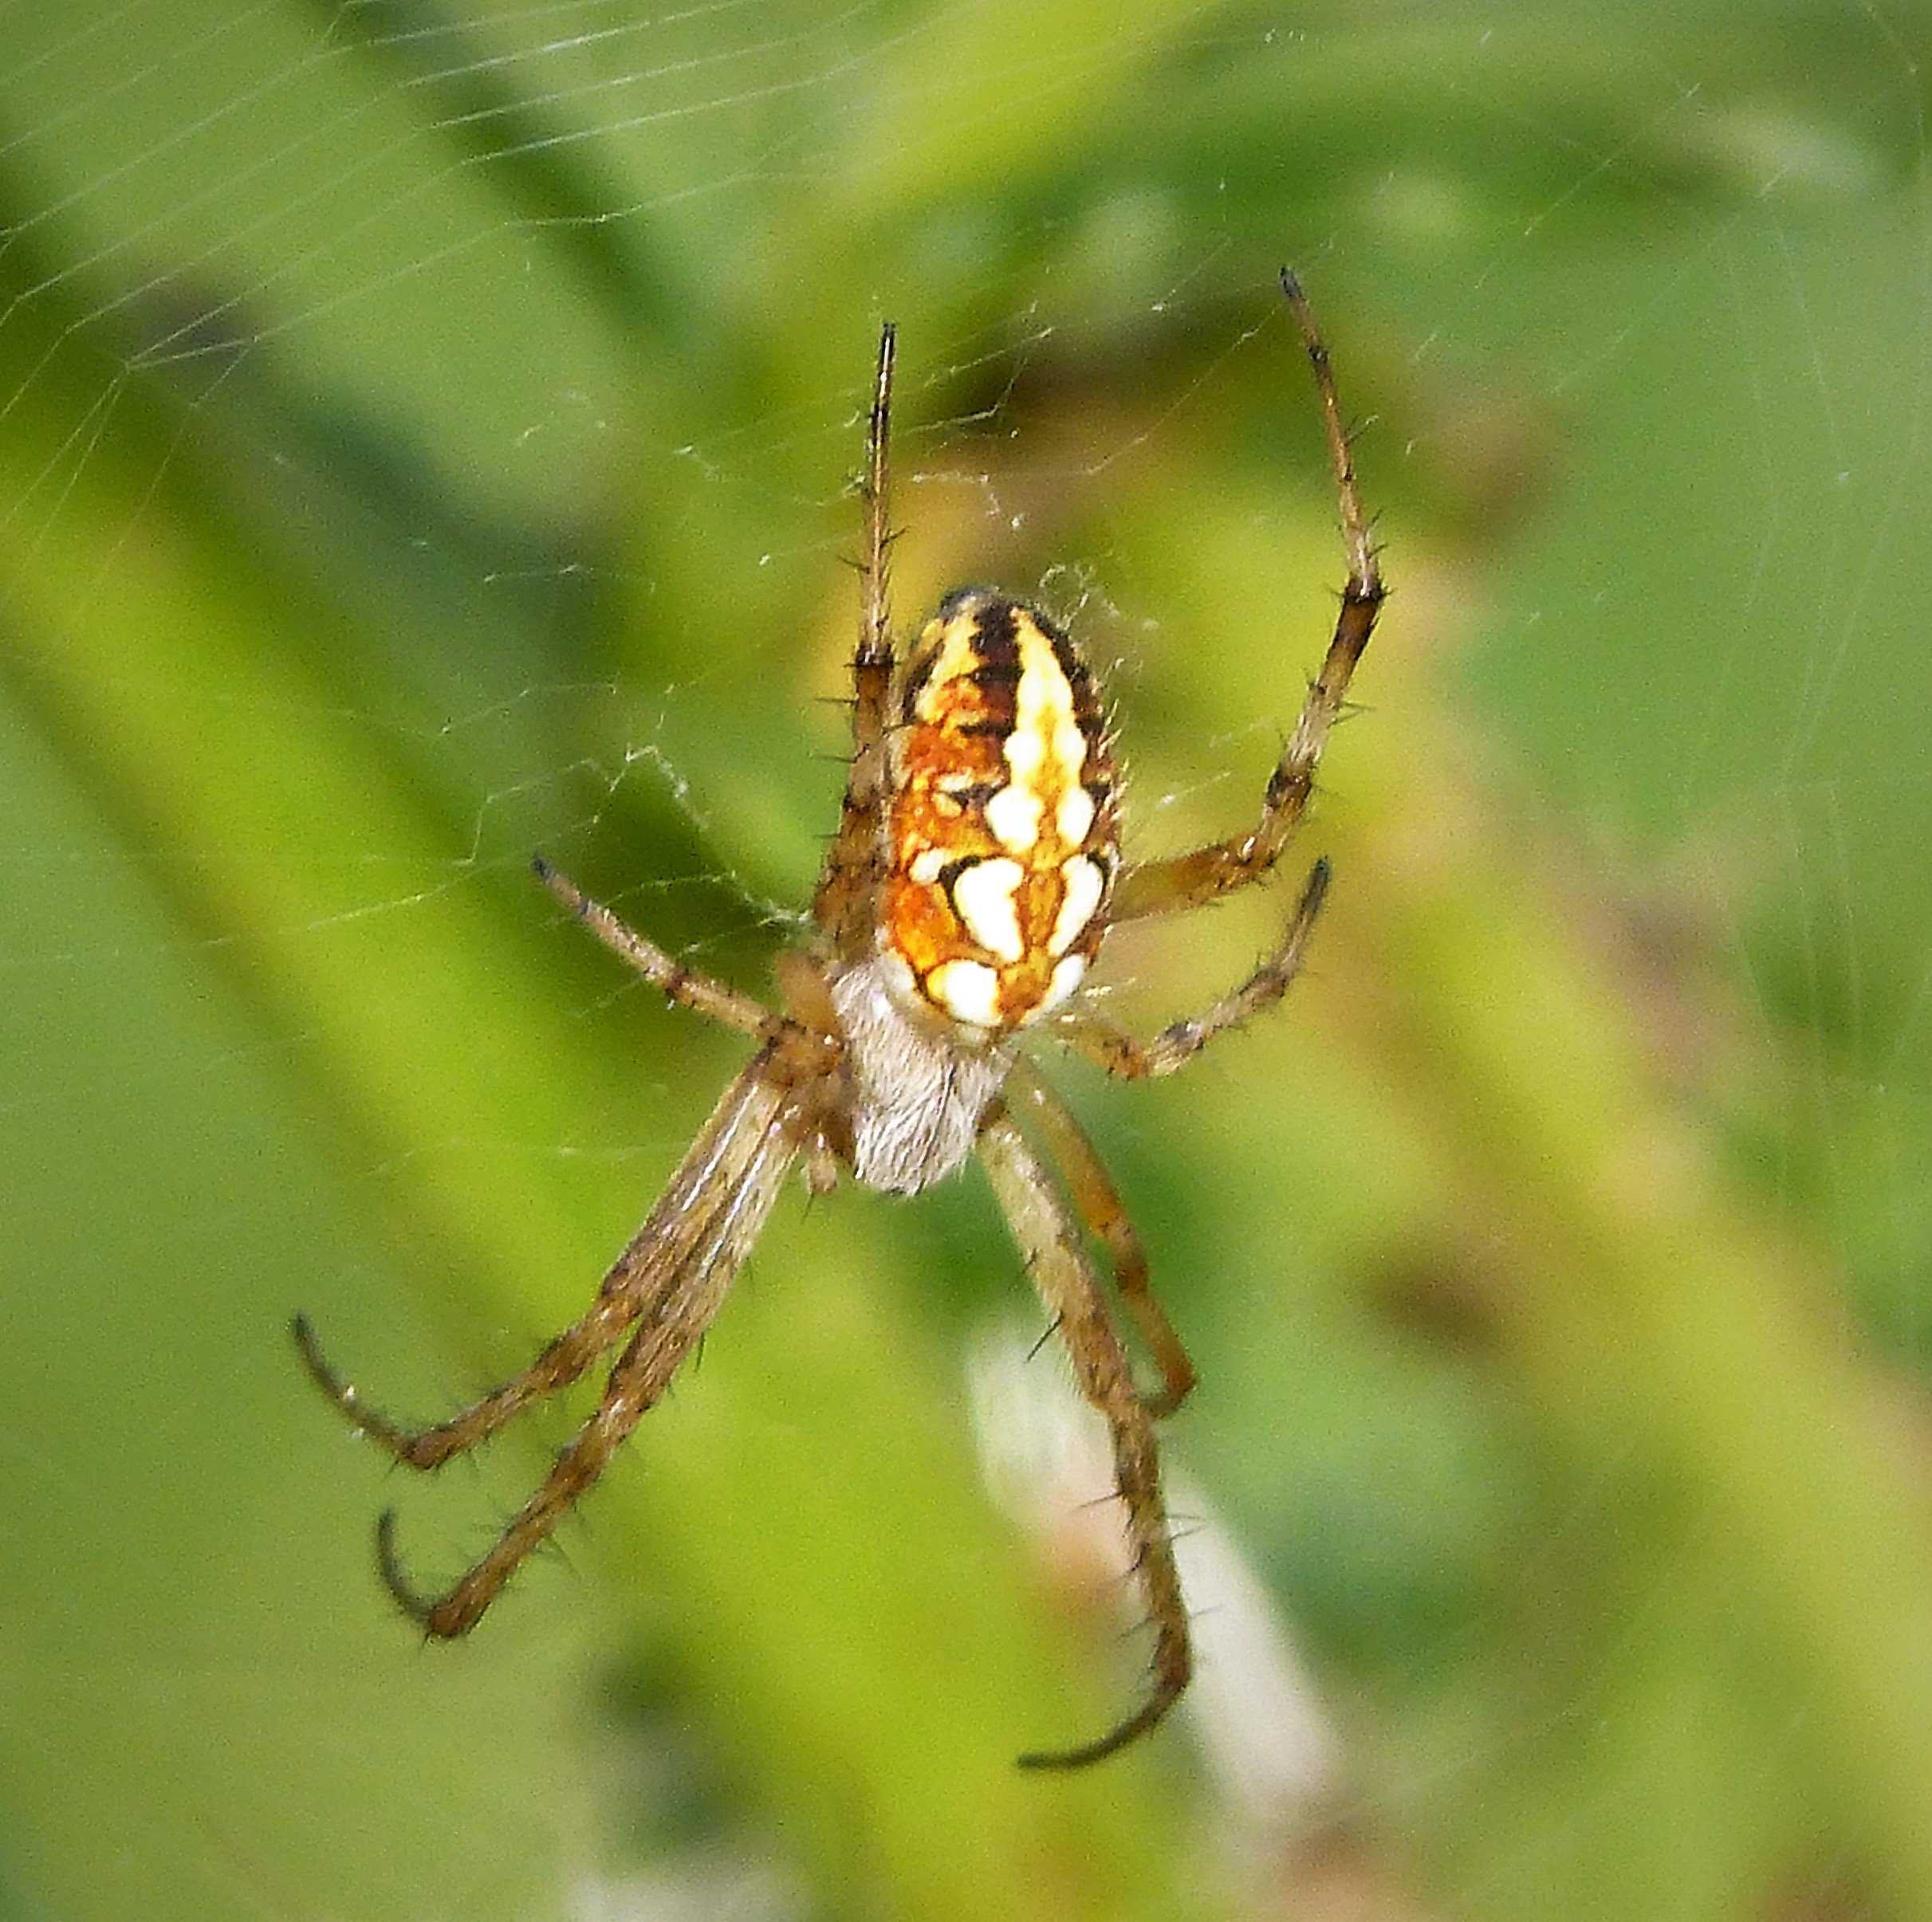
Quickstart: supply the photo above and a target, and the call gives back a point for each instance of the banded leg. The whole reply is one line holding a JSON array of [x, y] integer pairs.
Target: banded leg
[[842, 902], [1050, 1237], [1189, 880], [643, 1371], [677, 982], [635, 1287], [1174, 1046], [1098, 1203]]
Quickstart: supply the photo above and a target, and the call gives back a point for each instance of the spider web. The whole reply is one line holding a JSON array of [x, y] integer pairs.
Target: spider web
[[425, 436]]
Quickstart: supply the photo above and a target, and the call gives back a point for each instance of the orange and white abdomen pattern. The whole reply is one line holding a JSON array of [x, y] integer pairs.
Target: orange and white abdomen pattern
[[1002, 830]]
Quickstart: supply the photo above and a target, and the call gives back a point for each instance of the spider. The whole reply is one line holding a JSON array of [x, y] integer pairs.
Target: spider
[[974, 873]]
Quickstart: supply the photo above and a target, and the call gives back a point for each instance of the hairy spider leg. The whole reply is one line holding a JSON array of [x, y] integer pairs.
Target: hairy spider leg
[[1179, 1043], [1097, 1201], [635, 1287], [1189, 880], [744, 1163], [1048, 1237], [844, 902], [675, 981]]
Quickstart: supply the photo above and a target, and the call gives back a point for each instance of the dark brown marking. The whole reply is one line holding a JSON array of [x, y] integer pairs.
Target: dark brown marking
[[1080, 676], [975, 794], [919, 672], [996, 674], [996, 629]]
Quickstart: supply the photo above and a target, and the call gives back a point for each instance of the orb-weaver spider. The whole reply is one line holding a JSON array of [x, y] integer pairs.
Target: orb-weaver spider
[[975, 872]]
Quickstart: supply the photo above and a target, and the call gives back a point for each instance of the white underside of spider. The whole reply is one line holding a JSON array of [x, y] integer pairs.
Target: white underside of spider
[[917, 1096]]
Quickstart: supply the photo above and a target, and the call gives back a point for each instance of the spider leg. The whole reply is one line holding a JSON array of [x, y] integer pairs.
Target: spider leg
[[873, 663], [1048, 1235], [455, 1612], [678, 982], [1090, 1190], [842, 902], [1176, 1044], [683, 1310], [635, 1287], [1189, 880], [561, 1363]]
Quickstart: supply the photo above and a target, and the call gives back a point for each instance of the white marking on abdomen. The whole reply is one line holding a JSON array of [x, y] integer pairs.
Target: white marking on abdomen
[[1013, 816], [1067, 976], [1083, 884], [985, 895], [1074, 815], [969, 991]]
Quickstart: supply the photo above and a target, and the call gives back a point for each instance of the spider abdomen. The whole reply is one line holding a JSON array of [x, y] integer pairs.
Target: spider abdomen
[[1001, 833]]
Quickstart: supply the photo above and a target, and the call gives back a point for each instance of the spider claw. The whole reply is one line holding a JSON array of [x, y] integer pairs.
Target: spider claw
[[1166, 1694], [342, 1394], [404, 1447], [419, 1610]]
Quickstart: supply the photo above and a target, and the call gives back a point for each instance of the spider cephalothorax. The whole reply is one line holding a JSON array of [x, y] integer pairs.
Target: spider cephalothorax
[[975, 873]]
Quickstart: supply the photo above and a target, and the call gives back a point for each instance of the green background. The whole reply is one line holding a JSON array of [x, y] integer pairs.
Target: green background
[[426, 436]]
